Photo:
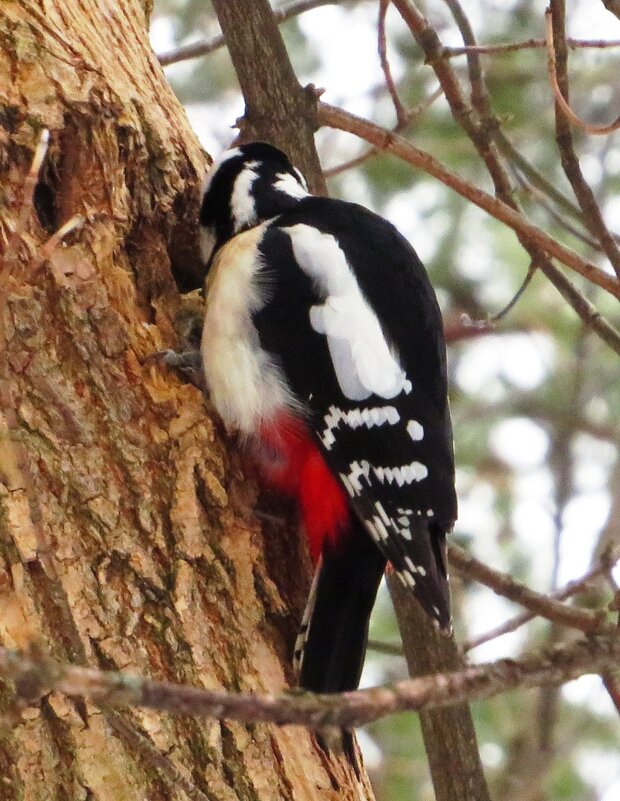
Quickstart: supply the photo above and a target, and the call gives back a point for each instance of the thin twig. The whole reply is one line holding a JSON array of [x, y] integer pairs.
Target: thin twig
[[477, 121], [197, 49], [385, 140], [540, 197], [586, 310], [585, 620], [535, 177], [528, 44], [604, 564], [411, 117], [595, 130], [35, 676], [382, 139], [204, 47], [542, 185], [479, 94], [592, 216], [496, 318], [401, 112], [480, 136]]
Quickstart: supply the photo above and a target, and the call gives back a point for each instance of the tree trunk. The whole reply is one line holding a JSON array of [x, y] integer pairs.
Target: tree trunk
[[127, 532]]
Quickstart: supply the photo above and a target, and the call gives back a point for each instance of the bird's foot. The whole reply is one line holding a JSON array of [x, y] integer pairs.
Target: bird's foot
[[188, 363]]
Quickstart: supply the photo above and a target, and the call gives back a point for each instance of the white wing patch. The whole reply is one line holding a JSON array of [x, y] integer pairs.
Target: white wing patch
[[362, 359]]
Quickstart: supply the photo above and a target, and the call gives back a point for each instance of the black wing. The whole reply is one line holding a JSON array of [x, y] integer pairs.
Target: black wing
[[393, 455]]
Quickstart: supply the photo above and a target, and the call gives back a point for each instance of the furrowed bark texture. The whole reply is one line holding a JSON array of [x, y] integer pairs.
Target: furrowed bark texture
[[127, 537]]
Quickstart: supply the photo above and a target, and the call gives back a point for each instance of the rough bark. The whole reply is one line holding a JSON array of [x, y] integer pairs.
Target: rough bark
[[127, 533]]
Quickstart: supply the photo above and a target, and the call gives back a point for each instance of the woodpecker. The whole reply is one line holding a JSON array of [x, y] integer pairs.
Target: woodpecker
[[323, 348]]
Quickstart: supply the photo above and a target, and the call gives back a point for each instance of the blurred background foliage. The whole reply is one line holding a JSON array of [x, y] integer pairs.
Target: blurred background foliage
[[535, 400]]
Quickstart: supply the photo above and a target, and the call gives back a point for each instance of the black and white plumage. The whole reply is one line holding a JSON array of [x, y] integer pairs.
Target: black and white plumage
[[323, 346]]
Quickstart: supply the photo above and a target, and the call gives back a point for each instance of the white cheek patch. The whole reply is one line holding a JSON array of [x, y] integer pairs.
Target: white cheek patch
[[361, 356], [286, 183], [242, 204], [302, 180]]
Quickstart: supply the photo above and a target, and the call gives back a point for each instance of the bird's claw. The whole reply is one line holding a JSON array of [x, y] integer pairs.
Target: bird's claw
[[188, 362]]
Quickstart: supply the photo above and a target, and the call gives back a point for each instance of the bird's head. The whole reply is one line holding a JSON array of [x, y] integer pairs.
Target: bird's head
[[244, 187]]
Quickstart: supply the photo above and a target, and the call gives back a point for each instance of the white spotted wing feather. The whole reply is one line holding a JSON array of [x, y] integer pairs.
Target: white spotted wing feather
[[391, 457]]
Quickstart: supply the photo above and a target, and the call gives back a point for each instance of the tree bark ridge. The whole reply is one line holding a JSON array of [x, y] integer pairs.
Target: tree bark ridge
[[148, 556]]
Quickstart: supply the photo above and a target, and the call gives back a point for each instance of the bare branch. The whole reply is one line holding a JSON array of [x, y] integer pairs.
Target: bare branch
[[583, 619], [613, 6], [537, 184], [538, 196], [479, 94], [591, 213], [595, 130], [586, 310], [528, 44], [401, 112], [607, 560], [382, 139], [197, 49], [34, 676], [385, 140], [411, 117], [479, 130]]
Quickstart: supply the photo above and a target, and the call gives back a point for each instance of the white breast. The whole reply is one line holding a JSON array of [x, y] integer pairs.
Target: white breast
[[245, 385]]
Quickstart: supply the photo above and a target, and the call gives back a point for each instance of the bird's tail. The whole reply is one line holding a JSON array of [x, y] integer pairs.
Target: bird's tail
[[332, 643]]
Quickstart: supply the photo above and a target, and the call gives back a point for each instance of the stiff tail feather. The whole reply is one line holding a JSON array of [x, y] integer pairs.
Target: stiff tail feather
[[335, 625], [330, 648]]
